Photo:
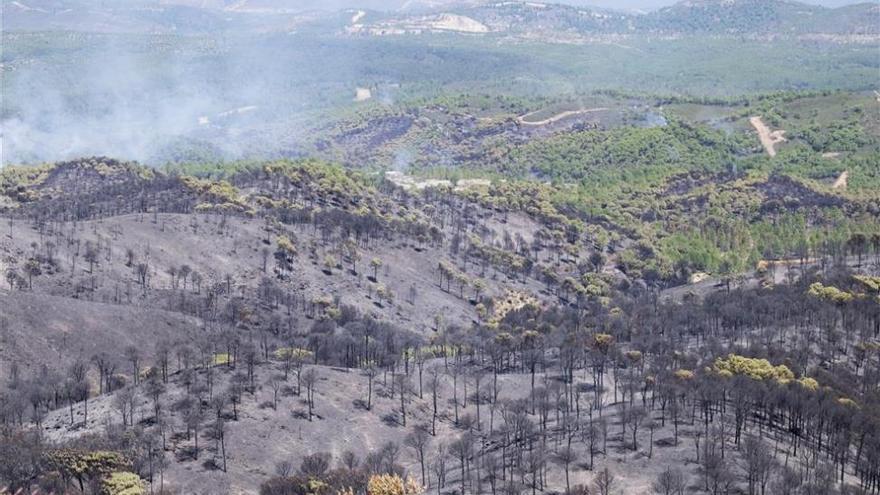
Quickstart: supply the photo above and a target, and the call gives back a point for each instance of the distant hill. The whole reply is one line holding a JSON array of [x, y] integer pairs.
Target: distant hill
[[690, 17], [109, 17], [762, 16], [523, 19], [734, 16], [517, 17], [860, 18]]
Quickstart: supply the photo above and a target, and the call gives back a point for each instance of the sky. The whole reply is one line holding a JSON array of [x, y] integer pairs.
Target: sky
[[654, 4]]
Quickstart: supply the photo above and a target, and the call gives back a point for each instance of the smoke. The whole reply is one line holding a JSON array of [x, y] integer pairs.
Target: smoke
[[147, 98], [199, 95], [102, 100], [386, 94], [403, 157]]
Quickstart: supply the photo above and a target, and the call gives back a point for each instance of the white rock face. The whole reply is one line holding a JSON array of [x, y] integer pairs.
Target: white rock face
[[362, 94], [453, 22]]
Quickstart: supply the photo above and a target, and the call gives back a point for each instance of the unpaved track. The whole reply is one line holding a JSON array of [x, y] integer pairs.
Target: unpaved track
[[840, 183], [557, 117], [362, 94], [769, 139]]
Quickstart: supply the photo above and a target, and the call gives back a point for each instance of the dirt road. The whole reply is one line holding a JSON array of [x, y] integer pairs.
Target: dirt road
[[769, 139], [558, 116], [840, 183]]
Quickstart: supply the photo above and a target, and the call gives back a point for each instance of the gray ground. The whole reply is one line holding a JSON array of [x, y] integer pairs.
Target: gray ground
[[263, 437]]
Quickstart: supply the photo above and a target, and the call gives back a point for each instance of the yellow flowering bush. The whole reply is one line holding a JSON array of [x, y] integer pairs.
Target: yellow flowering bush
[[684, 374], [391, 484], [756, 369], [123, 483]]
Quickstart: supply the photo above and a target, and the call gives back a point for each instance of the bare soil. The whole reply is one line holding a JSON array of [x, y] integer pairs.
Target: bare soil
[[264, 436], [71, 312], [841, 181], [769, 139]]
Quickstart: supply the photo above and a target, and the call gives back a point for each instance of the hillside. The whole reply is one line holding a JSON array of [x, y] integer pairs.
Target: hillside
[[233, 238], [205, 335], [635, 172]]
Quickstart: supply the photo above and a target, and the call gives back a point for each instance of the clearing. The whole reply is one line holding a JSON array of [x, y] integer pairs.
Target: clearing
[[840, 183], [568, 113], [769, 139], [460, 23], [409, 182], [362, 94]]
